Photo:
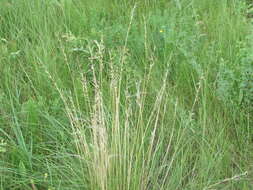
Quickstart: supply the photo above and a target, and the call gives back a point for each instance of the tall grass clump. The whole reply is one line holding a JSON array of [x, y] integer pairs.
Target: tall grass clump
[[136, 95]]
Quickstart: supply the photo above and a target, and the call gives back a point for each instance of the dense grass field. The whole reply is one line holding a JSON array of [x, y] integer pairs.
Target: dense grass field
[[126, 95]]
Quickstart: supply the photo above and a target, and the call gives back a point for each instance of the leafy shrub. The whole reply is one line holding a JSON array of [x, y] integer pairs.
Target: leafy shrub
[[235, 83]]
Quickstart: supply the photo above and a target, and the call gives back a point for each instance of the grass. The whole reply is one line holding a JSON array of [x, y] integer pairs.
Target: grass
[[142, 95]]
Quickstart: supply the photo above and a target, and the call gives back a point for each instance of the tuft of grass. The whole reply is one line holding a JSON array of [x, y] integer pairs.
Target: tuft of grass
[[141, 95]]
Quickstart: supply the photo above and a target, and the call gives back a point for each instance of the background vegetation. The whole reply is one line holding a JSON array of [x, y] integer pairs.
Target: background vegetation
[[126, 95]]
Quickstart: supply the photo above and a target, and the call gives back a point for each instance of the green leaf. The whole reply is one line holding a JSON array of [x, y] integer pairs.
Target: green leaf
[[22, 168]]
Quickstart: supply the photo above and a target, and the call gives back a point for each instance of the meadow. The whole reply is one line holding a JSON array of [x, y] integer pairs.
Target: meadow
[[126, 95]]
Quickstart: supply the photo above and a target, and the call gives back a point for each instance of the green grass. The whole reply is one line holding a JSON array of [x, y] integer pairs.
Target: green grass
[[136, 95]]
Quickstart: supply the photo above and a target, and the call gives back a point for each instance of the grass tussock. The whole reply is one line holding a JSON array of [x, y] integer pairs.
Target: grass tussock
[[137, 95]]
